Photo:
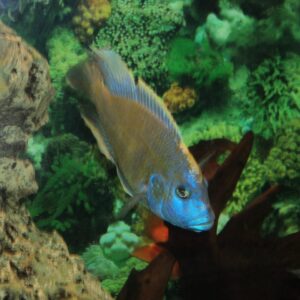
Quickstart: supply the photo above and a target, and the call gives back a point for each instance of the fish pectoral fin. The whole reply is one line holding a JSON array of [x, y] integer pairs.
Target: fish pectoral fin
[[131, 204]]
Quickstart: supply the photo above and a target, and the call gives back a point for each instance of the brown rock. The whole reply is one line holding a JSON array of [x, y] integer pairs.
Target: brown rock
[[33, 264]]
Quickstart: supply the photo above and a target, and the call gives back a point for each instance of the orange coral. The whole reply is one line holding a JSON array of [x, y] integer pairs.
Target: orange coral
[[91, 15], [178, 98]]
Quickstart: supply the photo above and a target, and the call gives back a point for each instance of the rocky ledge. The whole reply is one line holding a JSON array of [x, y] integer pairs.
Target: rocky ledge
[[33, 264]]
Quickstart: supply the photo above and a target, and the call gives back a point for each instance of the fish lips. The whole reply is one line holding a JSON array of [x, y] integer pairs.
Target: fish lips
[[202, 226]]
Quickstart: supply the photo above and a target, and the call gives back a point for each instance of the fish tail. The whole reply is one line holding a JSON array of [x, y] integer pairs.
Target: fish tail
[[86, 79]]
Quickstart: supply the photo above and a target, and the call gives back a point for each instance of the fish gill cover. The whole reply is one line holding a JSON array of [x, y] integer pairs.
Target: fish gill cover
[[223, 67]]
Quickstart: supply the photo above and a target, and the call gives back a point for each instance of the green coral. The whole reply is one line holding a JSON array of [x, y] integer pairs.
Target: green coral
[[285, 217], [199, 129], [98, 264], [202, 65], [110, 260], [283, 162], [233, 28], [74, 196], [35, 19], [140, 32], [60, 145], [270, 101], [181, 58], [249, 185], [119, 242], [64, 51], [115, 284]]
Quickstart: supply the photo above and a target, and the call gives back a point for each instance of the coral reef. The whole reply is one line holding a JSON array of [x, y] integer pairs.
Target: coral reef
[[119, 242], [89, 18], [35, 19], [33, 265], [285, 217], [98, 264], [283, 162], [114, 285], [179, 98], [196, 130], [270, 101], [187, 61], [110, 260], [64, 51], [234, 27], [140, 33], [72, 188], [249, 186]]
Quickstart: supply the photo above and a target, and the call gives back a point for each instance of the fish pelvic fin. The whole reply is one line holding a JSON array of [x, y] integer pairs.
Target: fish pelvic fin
[[120, 82]]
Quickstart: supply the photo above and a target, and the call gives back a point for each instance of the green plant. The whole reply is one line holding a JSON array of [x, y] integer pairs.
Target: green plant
[[283, 161], [270, 101], [140, 32], [249, 186], [285, 217], [98, 264], [64, 51], [74, 196], [115, 284], [118, 242]]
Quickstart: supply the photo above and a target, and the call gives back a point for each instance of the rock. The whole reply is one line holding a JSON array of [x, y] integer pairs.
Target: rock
[[33, 264]]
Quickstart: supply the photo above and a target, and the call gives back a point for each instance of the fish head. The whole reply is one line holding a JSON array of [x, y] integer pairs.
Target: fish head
[[182, 201]]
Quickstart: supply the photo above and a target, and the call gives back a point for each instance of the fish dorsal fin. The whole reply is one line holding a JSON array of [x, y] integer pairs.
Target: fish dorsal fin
[[120, 82]]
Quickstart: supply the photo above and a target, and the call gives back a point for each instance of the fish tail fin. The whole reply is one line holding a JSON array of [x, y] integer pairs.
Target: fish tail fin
[[86, 79]]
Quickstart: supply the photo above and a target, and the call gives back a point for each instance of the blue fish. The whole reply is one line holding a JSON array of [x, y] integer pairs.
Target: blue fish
[[134, 130]]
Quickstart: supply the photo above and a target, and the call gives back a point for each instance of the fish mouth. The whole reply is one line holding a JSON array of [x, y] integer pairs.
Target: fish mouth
[[202, 226]]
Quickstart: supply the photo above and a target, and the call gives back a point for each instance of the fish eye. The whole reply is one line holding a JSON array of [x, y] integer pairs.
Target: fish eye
[[182, 192]]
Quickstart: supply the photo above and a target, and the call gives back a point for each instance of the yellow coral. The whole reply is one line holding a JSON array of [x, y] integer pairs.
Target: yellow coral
[[90, 16], [178, 98]]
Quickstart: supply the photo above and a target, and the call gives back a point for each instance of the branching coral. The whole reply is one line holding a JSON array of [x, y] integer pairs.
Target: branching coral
[[140, 32], [178, 99], [283, 162], [270, 101], [91, 15]]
